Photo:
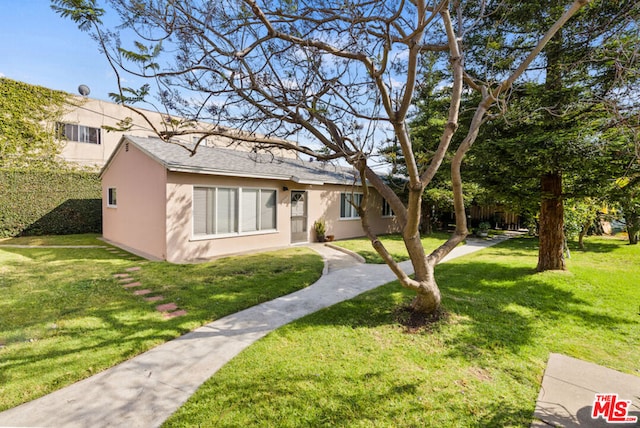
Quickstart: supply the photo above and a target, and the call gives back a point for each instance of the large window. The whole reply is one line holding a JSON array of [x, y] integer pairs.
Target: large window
[[347, 209], [79, 133], [225, 211]]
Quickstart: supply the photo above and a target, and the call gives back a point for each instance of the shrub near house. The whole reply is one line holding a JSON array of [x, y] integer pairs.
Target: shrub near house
[[49, 202]]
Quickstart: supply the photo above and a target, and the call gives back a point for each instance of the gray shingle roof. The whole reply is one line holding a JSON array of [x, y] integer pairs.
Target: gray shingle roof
[[237, 163]]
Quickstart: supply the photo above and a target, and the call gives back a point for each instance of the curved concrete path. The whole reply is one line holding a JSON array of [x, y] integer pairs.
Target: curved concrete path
[[146, 390]]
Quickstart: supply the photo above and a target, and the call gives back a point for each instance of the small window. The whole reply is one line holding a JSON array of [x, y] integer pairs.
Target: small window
[[79, 133], [111, 197], [347, 208], [386, 209]]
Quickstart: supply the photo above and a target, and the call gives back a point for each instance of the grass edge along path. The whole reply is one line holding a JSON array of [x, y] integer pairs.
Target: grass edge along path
[[393, 243], [354, 365], [64, 316]]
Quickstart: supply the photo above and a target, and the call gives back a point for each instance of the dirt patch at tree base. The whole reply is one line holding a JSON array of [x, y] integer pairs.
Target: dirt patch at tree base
[[415, 322]]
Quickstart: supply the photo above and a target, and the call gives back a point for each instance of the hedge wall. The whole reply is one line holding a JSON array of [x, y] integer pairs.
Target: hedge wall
[[49, 202]]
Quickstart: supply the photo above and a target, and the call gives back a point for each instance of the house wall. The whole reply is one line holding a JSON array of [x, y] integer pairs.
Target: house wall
[[183, 246], [322, 202], [138, 222]]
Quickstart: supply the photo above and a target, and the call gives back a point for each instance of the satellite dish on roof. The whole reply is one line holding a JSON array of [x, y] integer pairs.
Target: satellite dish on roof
[[84, 90]]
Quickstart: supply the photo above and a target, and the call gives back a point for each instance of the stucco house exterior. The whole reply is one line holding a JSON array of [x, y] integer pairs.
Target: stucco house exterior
[[162, 203]]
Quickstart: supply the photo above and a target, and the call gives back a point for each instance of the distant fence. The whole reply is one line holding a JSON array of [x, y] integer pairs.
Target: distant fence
[[497, 215], [49, 202]]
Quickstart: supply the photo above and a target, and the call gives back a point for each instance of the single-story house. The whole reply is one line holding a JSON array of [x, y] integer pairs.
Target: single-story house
[[164, 204]]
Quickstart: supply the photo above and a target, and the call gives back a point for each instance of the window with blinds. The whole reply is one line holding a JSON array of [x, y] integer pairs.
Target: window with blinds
[[228, 211], [347, 208], [79, 133]]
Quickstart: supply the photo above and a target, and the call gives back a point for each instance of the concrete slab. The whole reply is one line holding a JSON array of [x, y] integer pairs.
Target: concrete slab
[[336, 258], [569, 389]]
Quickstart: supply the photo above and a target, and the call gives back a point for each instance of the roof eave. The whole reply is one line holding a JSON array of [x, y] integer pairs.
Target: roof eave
[[307, 181], [208, 171]]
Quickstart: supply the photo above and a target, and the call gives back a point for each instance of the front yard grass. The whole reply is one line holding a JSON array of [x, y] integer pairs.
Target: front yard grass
[[83, 239], [354, 365], [393, 243], [64, 317]]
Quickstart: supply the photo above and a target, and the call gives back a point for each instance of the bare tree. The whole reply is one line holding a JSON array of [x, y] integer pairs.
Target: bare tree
[[338, 74]]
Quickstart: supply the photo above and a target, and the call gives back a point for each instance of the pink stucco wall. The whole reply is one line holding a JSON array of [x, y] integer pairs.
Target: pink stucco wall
[[138, 221], [323, 202], [183, 246]]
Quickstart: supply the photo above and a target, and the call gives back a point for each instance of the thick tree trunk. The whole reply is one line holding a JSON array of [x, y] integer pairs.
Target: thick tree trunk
[[551, 231], [428, 297]]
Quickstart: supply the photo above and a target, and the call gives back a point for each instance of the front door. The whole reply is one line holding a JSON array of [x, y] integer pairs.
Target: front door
[[299, 216]]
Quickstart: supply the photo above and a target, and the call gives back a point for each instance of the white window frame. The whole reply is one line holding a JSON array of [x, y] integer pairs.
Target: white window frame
[[112, 197], [353, 212], [238, 214], [79, 133]]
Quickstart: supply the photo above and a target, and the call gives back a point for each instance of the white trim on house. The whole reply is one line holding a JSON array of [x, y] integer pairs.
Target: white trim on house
[[352, 210], [223, 173], [112, 197]]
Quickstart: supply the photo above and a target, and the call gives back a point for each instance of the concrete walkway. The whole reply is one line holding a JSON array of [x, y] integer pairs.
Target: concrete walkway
[[146, 390], [569, 389]]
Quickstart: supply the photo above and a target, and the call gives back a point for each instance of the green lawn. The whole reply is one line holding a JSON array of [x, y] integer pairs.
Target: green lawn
[[353, 364], [84, 239], [393, 243], [63, 316]]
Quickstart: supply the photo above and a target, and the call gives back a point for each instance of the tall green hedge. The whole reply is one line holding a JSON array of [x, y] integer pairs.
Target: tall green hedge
[[49, 202]]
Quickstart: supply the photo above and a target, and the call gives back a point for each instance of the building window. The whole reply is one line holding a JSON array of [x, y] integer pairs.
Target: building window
[[228, 211], [204, 142], [386, 209], [347, 209], [111, 197], [79, 133]]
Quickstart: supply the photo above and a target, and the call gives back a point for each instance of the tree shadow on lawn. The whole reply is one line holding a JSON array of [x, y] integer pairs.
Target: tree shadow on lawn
[[600, 246], [118, 334], [495, 319], [501, 306], [62, 254], [505, 306]]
